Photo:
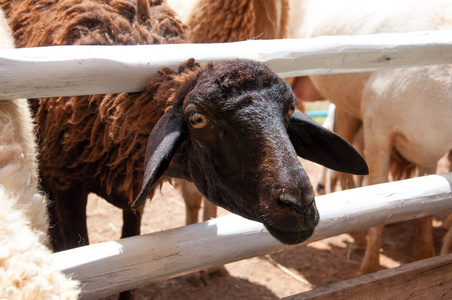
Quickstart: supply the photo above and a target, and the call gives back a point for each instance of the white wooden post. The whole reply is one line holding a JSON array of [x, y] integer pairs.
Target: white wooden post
[[111, 267], [86, 70]]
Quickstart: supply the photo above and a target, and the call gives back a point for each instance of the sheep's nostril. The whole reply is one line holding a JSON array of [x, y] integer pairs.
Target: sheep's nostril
[[293, 202], [309, 211]]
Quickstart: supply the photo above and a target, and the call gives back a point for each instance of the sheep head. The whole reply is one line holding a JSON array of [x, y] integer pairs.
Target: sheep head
[[236, 134]]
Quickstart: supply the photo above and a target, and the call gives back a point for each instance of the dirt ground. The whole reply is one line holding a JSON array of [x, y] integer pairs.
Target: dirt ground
[[308, 266]]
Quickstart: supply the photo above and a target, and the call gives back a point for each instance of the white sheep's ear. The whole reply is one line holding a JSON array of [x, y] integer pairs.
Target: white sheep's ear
[[318, 144], [165, 138]]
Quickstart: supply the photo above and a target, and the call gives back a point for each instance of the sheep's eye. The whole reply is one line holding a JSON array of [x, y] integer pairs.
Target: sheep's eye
[[291, 109], [197, 121]]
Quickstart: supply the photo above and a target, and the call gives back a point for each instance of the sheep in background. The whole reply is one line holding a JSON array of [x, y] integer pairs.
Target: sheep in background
[[190, 123], [26, 266], [221, 21], [418, 123], [351, 129]]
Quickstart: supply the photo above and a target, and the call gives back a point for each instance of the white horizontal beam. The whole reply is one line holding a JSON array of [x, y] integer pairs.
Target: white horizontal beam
[[85, 70], [111, 267]]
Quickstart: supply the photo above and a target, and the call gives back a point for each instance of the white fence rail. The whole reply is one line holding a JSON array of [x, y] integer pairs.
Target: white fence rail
[[85, 70], [111, 267]]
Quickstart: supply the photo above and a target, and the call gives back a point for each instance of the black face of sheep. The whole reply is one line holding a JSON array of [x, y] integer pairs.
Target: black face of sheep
[[237, 136]]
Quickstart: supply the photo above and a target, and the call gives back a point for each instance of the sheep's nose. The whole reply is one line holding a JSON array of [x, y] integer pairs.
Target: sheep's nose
[[301, 206]]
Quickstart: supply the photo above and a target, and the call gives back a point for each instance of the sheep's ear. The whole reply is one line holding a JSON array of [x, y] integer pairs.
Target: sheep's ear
[[165, 138], [318, 144]]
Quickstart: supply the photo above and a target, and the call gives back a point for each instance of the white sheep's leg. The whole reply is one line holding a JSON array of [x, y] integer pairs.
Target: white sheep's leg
[[423, 247], [377, 150], [447, 239], [371, 260]]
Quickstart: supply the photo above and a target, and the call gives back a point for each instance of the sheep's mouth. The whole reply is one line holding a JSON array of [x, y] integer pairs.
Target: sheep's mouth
[[290, 237], [294, 231]]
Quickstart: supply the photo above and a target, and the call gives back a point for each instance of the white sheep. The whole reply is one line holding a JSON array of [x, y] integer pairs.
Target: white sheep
[[26, 267], [407, 110]]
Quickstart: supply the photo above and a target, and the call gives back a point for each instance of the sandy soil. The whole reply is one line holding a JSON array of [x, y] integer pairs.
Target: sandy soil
[[314, 265]]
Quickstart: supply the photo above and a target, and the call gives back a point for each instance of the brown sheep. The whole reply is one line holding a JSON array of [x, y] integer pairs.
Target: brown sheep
[[220, 21], [77, 22]]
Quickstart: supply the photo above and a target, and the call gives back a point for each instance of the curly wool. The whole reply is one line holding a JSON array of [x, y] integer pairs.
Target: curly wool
[[86, 133], [89, 134], [18, 162], [82, 22], [244, 20], [26, 267]]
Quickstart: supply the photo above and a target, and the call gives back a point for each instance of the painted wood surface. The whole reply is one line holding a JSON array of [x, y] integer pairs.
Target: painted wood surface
[[425, 279], [115, 266], [85, 70]]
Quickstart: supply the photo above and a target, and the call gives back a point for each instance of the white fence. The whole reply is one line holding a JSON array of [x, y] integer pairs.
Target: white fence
[[86, 70], [120, 265], [111, 267]]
